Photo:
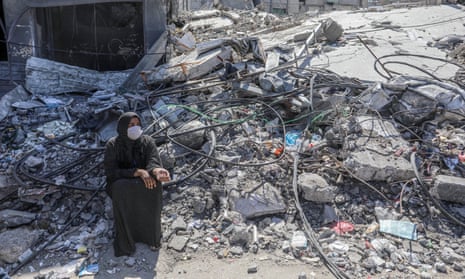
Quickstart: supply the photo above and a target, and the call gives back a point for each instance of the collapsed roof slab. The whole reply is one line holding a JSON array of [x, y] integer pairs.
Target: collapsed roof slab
[[406, 31]]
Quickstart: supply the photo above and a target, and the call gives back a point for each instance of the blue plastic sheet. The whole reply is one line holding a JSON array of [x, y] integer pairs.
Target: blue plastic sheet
[[402, 229]]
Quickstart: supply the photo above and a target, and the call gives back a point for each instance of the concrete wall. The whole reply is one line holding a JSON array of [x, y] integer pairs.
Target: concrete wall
[[286, 6]]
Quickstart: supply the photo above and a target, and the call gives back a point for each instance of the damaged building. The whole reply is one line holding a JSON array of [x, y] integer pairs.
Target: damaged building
[[99, 35], [333, 140]]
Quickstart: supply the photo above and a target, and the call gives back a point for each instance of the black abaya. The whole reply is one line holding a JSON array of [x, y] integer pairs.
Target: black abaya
[[135, 210]]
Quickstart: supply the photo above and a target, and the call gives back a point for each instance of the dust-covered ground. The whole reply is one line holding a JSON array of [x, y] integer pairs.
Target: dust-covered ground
[[168, 264], [147, 264]]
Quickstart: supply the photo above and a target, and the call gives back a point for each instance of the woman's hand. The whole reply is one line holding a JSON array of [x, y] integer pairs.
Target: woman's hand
[[161, 174], [149, 182]]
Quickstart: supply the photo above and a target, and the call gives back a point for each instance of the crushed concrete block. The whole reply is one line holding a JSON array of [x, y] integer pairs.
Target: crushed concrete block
[[178, 242], [192, 134], [188, 67], [245, 89], [371, 166], [15, 95], [332, 30], [14, 242], [239, 237], [179, 224], [315, 188], [52, 77], [376, 127], [376, 97], [449, 188], [265, 201]]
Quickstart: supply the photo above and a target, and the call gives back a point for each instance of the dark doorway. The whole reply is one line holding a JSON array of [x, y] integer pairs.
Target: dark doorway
[[3, 36], [103, 37]]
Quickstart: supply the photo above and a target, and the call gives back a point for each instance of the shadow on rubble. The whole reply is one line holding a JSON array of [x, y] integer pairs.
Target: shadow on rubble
[[142, 264]]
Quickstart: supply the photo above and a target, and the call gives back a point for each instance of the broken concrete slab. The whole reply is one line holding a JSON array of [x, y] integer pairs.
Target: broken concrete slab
[[245, 89], [264, 201], [375, 127], [449, 188], [14, 242], [346, 61], [372, 166], [178, 242], [49, 77], [186, 43], [188, 67], [16, 95], [215, 23]]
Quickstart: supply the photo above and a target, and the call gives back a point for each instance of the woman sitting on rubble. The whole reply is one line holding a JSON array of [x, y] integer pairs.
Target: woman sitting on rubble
[[134, 177]]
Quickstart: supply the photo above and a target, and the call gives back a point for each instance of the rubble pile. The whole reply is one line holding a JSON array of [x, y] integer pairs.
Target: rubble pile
[[265, 152]]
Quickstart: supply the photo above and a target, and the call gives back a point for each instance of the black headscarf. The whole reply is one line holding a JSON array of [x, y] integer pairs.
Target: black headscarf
[[125, 145]]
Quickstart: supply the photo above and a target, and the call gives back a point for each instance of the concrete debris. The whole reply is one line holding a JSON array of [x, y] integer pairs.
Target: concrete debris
[[187, 67], [316, 188], [61, 78], [341, 165], [372, 166], [15, 242], [449, 188], [8, 100], [266, 201]]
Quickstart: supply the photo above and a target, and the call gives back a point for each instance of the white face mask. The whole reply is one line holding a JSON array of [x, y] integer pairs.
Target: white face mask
[[134, 132]]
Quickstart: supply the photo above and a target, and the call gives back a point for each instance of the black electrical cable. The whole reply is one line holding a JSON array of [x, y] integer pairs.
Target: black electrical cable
[[311, 234], [378, 61], [230, 162], [426, 190], [203, 164], [411, 66], [18, 167], [38, 250]]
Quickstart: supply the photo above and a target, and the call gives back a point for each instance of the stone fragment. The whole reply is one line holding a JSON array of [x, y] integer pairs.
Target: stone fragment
[[178, 242], [236, 250], [179, 224], [244, 89], [315, 188], [449, 256], [14, 242], [332, 30], [130, 261], [240, 236], [192, 134], [372, 166], [440, 267], [449, 188], [199, 205]]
